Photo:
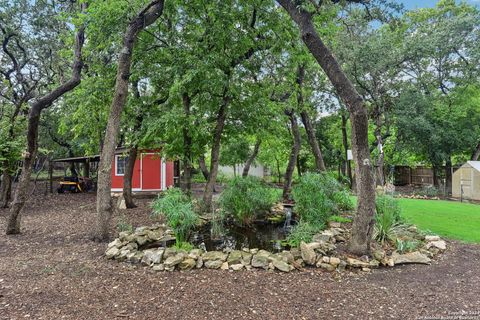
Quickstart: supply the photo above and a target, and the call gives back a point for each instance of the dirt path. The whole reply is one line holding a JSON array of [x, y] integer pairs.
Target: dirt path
[[52, 271]]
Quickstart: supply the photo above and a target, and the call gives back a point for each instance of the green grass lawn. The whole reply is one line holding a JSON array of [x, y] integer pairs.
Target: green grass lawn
[[453, 220]]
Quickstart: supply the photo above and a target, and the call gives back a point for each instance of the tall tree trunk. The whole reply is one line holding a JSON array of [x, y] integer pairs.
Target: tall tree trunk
[[21, 193], [296, 143], [215, 155], [345, 149], [363, 223], [132, 155], [104, 202], [127, 178], [203, 166], [5, 188], [186, 178], [299, 167], [476, 153], [252, 157], [380, 161], [448, 176], [313, 142]]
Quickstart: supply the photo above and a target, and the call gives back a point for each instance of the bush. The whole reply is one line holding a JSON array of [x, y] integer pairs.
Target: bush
[[319, 196], [387, 219], [123, 225], [384, 203], [245, 197], [429, 191], [303, 231], [177, 208], [404, 246]]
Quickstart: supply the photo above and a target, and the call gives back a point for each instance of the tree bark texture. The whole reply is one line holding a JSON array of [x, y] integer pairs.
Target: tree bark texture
[[292, 160], [203, 167], [363, 223], [252, 157], [186, 178], [104, 202], [29, 155], [5, 189], [215, 155], [127, 178], [345, 146], [448, 177], [313, 142]]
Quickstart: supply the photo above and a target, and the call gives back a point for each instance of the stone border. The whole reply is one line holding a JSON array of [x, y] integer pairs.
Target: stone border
[[135, 247]]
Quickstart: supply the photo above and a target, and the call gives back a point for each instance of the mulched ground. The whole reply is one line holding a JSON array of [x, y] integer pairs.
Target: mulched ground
[[53, 271]]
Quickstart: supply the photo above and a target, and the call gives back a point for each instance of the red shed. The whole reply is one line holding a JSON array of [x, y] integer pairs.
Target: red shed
[[151, 171]]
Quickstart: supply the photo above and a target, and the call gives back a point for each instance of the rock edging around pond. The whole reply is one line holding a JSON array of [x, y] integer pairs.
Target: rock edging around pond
[[142, 247]]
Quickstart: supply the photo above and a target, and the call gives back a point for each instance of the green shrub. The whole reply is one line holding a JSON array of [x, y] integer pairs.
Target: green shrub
[[339, 219], [387, 219], [404, 246], [177, 208], [384, 203], [319, 196], [245, 197], [429, 191], [123, 225], [303, 231]]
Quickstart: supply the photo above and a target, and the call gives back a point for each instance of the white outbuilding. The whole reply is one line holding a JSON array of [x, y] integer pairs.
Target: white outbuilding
[[466, 181]]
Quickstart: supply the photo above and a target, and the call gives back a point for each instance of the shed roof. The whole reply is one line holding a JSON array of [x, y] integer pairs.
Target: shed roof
[[475, 164]]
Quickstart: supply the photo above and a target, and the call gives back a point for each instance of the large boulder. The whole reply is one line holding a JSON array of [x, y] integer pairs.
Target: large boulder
[[112, 252], [235, 257], [246, 258], [282, 265], [187, 264], [172, 261], [439, 244], [152, 256], [357, 263], [214, 255], [308, 252], [261, 259], [411, 257]]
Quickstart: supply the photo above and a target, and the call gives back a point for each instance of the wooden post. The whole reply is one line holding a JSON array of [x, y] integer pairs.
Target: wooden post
[[50, 175], [86, 168]]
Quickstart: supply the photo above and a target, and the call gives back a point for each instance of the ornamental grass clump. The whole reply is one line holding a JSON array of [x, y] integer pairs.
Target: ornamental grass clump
[[388, 221], [245, 198], [178, 210], [317, 196]]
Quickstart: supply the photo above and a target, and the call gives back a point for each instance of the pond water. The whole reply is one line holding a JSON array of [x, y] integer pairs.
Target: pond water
[[261, 234]]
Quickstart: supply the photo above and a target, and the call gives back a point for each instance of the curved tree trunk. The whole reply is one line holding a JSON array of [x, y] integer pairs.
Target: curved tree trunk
[[363, 223], [313, 142], [296, 143], [21, 193], [252, 157], [127, 178], [104, 202]]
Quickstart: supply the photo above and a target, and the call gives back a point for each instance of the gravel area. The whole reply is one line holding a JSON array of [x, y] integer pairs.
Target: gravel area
[[53, 271]]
